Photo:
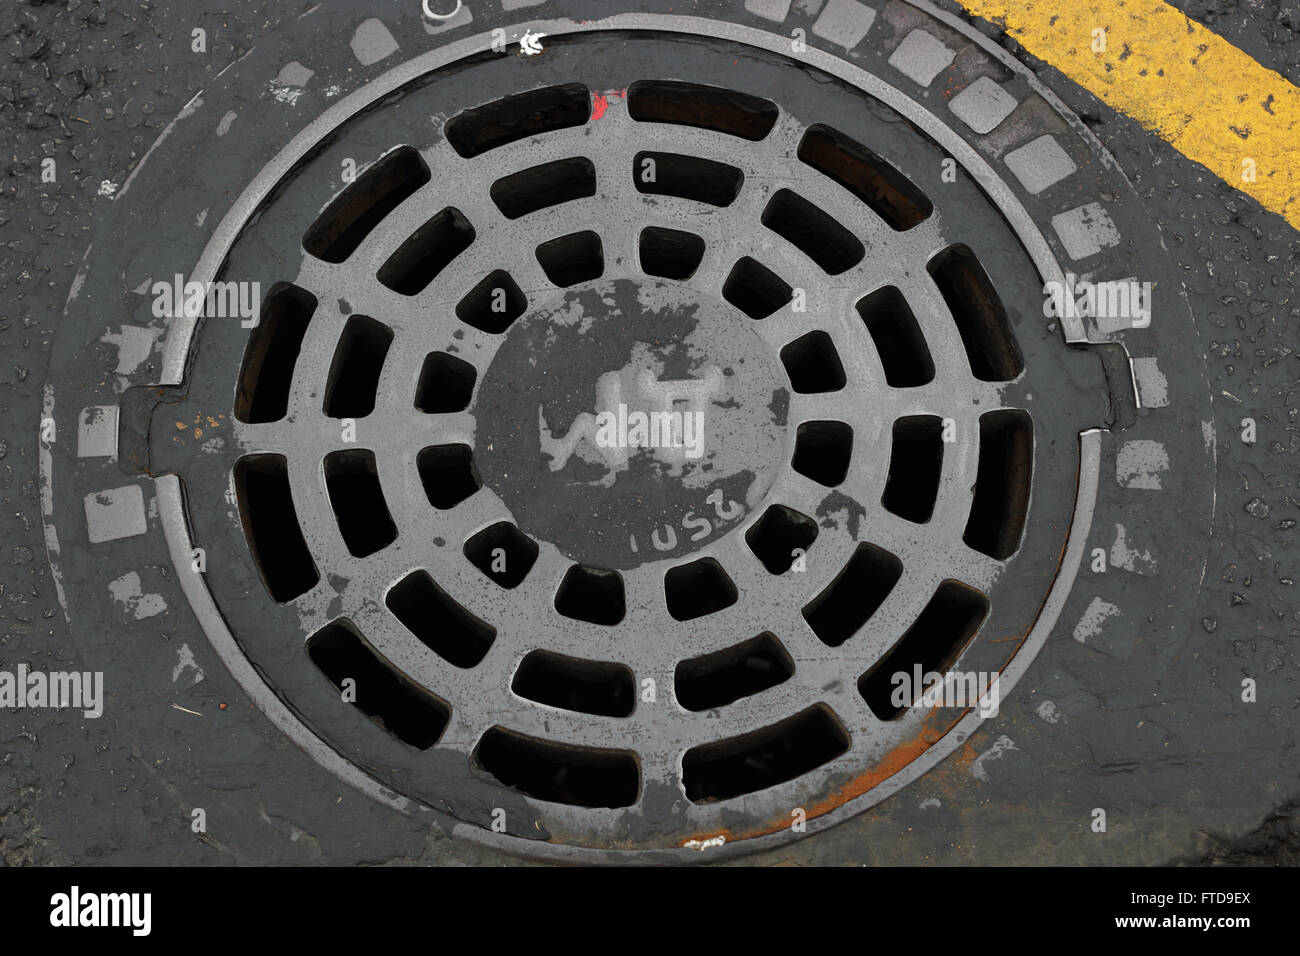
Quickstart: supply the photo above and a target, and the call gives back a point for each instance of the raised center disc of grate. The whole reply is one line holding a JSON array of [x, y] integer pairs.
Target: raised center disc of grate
[[633, 421], [627, 640]]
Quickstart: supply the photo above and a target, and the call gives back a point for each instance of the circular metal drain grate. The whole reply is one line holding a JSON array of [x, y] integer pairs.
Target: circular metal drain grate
[[521, 610]]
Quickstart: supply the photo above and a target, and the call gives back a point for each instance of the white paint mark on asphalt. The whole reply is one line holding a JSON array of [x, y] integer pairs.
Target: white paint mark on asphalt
[[1000, 746], [129, 592], [1097, 613]]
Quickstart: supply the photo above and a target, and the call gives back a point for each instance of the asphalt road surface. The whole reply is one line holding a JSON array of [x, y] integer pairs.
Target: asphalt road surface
[[1188, 774]]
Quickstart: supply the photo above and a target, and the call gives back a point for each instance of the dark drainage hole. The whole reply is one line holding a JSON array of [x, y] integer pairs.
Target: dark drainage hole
[[571, 259], [814, 233], [428, 251], [725, 676], [493, 305], [915, 464], [886, 191], [358, 502], [364, 204], [997, 513], [559, 773], [898, 338], [448, 474], [982, 321], [588, 687], [440, 623], [813, 364], [271, 526], [699, 588], [502, 552], [755, 289], [541, 187], [778, 535], [687, 177], [857, 592], [932, 644], [446, 384], [594, 595], [822, 451], [272, 353], [383, 693], [517, 117], [767, 757], [706, 107], [670, 253], [358, 362]]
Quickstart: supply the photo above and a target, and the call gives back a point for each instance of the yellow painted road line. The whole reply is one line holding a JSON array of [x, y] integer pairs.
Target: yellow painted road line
[[1212, 102]]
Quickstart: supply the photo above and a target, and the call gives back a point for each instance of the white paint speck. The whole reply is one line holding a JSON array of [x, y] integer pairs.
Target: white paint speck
[[185, 661], [1097, 613], [1140, 464], [702, 845], [1000, 747], [1130, 559], [128, 592]]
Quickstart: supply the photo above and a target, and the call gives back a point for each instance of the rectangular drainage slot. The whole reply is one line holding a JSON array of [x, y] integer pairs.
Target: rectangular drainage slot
[[670, 253], [755, 289], [932, 644], [915, 466], [428, 251], [706, 107], [442, 625], [271, 526], [725, 676], [898, 338], [353, 382], [517, 117], [357, 498], [559, 773], [570, 683], [981, 319], [364, 204], [997, 513], [767, 757], [858, 590], [272, 353], [823, 451], [383, 693], [814, 233], [568, 260], [886, 191], [686, 177], [541, 187], [780, 536]]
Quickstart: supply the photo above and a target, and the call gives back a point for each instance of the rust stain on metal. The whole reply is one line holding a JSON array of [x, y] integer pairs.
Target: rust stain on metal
[[893, 762]]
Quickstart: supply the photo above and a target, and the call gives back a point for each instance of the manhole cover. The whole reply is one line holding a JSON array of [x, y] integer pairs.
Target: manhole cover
[[625, 434]]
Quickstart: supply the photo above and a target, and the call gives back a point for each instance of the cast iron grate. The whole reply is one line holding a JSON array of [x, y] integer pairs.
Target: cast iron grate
[[544, 663]]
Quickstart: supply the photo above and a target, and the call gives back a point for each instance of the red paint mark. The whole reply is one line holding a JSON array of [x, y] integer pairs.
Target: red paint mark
[[600, 102]]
